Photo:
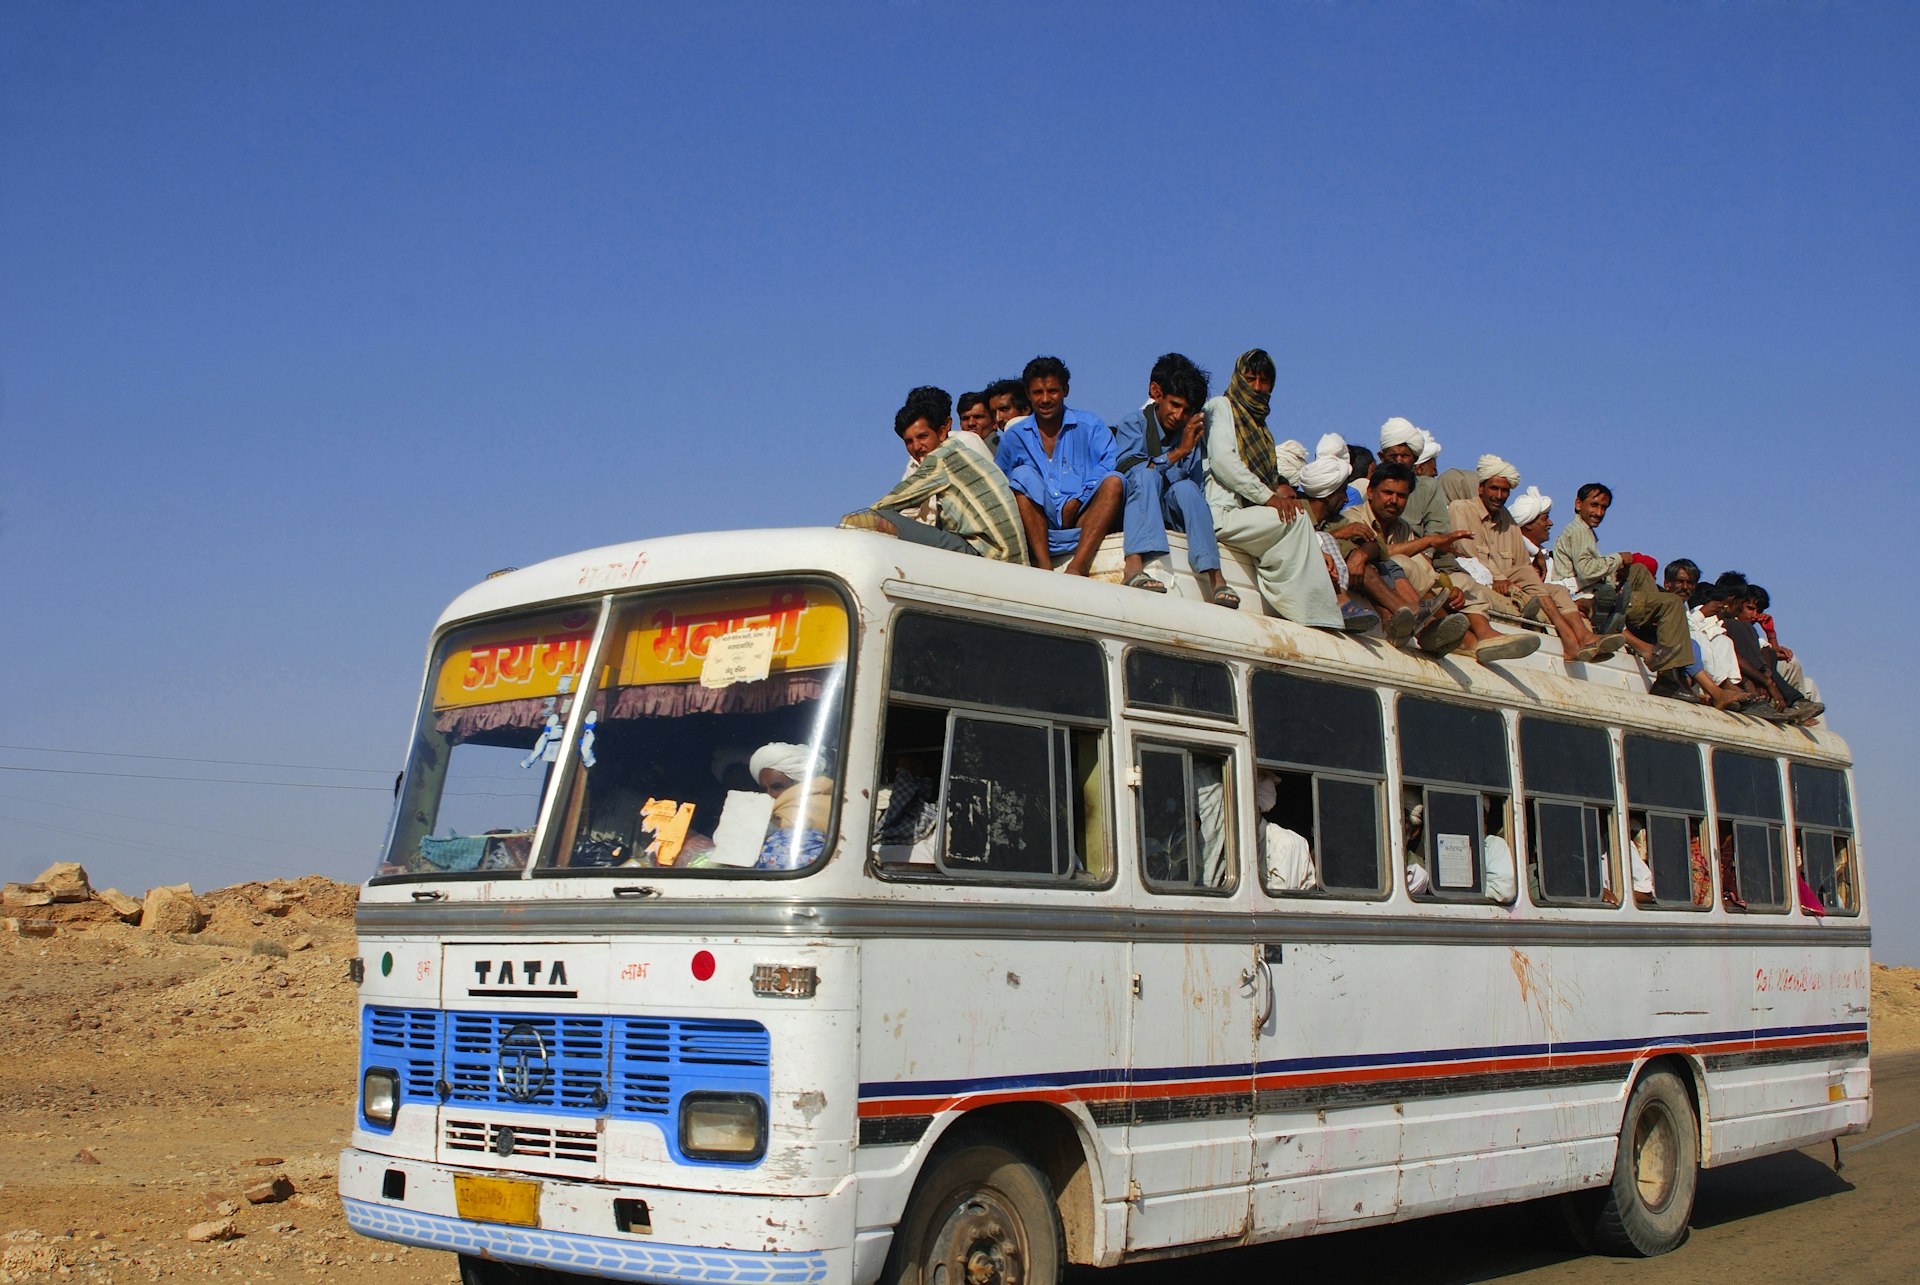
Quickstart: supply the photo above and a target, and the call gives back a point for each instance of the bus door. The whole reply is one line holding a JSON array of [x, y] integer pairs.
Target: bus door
[[1195, 992]]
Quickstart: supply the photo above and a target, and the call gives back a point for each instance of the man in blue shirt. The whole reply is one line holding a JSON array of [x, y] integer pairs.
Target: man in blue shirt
[[1162, 465], [1059, 462]]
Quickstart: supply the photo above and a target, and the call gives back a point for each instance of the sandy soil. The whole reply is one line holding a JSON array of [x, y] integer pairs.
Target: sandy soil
[[155, 1079]]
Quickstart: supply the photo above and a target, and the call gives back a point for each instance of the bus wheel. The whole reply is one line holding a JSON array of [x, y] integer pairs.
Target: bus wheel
[[1644, 1211], [981, 1214]]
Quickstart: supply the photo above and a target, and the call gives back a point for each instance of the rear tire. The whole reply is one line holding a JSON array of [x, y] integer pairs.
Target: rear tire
[[1656, 1171], [981, 1214]]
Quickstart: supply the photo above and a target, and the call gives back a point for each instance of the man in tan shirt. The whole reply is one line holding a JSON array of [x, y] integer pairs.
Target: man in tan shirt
[[1497, 545]]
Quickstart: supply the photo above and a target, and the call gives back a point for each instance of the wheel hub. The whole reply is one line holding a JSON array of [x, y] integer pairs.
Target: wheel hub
[[976, 1246], [1655, 1157]]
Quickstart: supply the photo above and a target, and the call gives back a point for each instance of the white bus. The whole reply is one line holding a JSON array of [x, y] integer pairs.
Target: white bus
[[809, 906]]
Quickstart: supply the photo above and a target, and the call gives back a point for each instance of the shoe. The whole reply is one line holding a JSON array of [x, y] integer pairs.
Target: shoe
[[1761, 709], [1531, 608], [1605, 644], [1224, 596], [1401, 624], [1141, 580], [1356, 619], [1506, 647], [1432, 607], [867, 520], [1666, 683], [1588, 654], [1443, 636], [1804, 711], [1667, 658]]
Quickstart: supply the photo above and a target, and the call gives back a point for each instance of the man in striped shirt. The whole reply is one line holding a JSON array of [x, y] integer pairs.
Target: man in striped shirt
[[975, 511]]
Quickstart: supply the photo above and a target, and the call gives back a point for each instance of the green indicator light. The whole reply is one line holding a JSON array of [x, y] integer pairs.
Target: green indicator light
[[386, 964]]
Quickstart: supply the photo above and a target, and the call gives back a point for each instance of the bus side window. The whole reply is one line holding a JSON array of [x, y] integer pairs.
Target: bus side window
[[1322, 757], [1185, 828], [993, 764], [1750, 816], [1666, 820], [1568, 771], [1823, 814], [1455, 758]]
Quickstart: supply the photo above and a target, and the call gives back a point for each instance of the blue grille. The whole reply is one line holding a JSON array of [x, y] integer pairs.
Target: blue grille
[[633, 1067]]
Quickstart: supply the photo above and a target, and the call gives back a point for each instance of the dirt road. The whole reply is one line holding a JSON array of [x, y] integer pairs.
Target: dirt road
[[151, 1080]]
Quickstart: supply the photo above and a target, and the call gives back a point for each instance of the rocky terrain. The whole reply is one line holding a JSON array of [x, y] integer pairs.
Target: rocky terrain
[[180, 1079]]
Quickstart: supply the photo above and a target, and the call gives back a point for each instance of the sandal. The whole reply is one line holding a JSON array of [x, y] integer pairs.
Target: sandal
[[1224, 596], [1141, 580]]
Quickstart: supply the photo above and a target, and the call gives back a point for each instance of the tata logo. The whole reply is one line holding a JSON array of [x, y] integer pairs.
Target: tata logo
[[523, 1071], [530, 973]]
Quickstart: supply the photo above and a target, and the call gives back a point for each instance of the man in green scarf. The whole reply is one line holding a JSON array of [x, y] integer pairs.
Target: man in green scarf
[[1255, 507]]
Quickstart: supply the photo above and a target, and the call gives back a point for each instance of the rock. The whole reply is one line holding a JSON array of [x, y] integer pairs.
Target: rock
[[302, 942], [66, 880], [219, 1229], [128, 908], [26, 895], [268, 1162], [173, 909], [85, 1157], [271, 1193], [32, 927]]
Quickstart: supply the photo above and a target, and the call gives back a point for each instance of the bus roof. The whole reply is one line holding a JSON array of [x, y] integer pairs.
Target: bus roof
[[873, 567]]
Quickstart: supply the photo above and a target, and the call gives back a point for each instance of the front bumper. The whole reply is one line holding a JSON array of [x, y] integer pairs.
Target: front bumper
[[696, 1237]]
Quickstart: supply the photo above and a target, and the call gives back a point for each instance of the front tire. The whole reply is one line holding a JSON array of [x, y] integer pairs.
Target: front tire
[[981, 1214], [1656, 1171], [485, 1271]]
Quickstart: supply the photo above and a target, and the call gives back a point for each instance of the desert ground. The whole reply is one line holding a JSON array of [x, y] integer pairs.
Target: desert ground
[[176, 1094]]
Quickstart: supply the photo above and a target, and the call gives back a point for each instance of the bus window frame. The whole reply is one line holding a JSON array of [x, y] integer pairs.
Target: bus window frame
[[1851, 836], [1776, 836], [1429, 836], [1049, 728], [1700, 824], [1163, 740], [1231, 716], [1614, 874], [1384, 864]]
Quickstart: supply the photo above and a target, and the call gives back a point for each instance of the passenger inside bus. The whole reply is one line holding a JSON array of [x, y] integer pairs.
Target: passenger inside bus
[[1285, 854]]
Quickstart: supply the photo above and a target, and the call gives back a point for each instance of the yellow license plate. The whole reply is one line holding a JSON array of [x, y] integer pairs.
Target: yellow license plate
[[497, 1200]]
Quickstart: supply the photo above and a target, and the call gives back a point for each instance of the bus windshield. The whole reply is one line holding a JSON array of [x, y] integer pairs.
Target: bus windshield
[[709, 742]]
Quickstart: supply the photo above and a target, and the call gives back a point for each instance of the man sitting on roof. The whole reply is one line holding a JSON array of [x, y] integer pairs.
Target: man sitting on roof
[[1497, 545], [1059, 462], [1756, 670], [1533, 514], [973, 509], [1783, 657], [1620, 581], [976, 417], [1254, 508], [1461, 608], [1162, 467], [1007, 399], [1402, 443], [1323, 480]]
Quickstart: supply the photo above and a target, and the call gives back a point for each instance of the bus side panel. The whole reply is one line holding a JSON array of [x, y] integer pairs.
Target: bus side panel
[[949, 1027], [1375, 1102], [1802, 1075]]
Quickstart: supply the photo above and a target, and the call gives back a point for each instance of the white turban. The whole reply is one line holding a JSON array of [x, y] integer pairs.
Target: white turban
[[1329, 469], [1400, 432], [1492, 466], [1266, 791], [1290, 456], [788, 760], [1431, 451], [1529, 506]]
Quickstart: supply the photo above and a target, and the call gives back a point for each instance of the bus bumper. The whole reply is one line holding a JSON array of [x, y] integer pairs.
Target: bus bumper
[[695, 1237]]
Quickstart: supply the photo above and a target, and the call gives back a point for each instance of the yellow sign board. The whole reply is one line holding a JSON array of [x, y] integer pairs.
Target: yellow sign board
[[518, 661], [497, 1200], [668, 641]]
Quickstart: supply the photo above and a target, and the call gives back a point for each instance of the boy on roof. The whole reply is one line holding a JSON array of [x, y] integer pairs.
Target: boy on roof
[[1059, 462], [1163, 470]]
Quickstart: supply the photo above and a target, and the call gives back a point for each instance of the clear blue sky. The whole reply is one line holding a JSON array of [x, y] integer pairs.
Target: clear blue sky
[[310, 316]]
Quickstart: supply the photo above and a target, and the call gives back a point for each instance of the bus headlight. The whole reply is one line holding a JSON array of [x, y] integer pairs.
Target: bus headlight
[[723, 1126], [380, 1095]]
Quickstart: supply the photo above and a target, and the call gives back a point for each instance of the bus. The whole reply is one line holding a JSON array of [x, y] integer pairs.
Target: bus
[[803, 905]]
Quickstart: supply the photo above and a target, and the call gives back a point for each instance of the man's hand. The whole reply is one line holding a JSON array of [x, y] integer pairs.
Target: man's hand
[[1284, 502], [1503, 586], [1189, 437], [1456, 599], [1433, 542], [1353, 531]]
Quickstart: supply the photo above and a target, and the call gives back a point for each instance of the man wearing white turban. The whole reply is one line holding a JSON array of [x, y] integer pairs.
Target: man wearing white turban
[[1402, 443], [802, 804], [1428, 464], [1530, 514], [1324, 480], [1255, 508], [1494, 540]]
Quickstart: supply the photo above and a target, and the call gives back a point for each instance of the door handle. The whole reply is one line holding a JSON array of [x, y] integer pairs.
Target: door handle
[[1262, 976]]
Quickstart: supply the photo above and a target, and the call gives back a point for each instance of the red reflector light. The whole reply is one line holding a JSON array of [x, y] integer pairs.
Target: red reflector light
[[703, 965]]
